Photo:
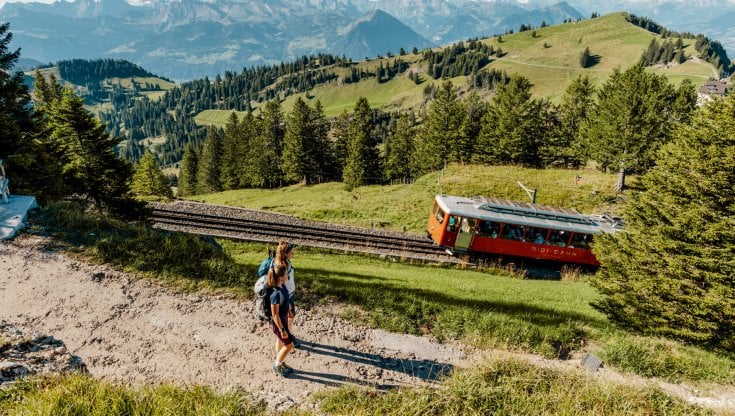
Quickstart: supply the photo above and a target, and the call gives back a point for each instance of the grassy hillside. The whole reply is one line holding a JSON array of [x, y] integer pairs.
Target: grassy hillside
[[550, 60], [125, 83], [616, 42], [406, 207]]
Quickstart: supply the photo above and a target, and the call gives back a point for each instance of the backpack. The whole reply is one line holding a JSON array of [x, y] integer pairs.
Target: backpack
[[266, 264], [263, 298], [262, 290]]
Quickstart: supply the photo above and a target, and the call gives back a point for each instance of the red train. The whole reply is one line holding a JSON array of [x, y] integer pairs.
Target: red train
[[516, 229]]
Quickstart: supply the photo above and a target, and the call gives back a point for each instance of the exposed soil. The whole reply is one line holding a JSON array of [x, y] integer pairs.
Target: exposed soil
[[136, 331]]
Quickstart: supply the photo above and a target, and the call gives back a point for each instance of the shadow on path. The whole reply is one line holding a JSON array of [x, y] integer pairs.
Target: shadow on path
[[426, 370]]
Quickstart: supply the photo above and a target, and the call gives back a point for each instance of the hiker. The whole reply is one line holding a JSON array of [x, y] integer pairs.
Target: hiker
[[280, 309], [284, 253]]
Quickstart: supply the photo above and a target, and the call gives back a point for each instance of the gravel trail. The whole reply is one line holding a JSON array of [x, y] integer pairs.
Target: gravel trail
[[137, 331]]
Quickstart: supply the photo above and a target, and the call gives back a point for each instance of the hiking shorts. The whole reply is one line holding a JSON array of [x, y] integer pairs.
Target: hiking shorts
[[283, 340]]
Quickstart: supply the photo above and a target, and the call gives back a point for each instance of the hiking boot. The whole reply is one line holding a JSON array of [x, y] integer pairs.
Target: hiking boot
[[296, 342], [287, 369], [281, 370]]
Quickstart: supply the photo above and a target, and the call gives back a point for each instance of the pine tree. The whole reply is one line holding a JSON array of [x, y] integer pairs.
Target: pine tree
[[29, 158], [670, 271], [264, 157], [475, 109], [632, 118], [341, 137], [512, 130], [298, 164], [210, 163], [149, 180], [249, 130], [585, 58], [91, 171], [440, 139], [685, 102], [188, 172], [564, 147], [362, 165], [322, 150], [230, 155], [399, 148]]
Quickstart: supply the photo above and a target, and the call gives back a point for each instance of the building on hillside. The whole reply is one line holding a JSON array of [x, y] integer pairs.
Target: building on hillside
[[711, 90]]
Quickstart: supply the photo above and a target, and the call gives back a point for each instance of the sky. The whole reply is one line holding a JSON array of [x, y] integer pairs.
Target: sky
[[2, 2]]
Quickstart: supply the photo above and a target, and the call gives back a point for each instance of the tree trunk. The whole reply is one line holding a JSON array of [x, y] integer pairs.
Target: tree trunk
[[621, 180]]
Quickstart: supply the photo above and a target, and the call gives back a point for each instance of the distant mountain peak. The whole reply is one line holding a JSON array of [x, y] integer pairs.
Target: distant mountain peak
[[376, 33]]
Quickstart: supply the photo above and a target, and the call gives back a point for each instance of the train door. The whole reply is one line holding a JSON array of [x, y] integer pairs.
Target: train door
[[466, 234]]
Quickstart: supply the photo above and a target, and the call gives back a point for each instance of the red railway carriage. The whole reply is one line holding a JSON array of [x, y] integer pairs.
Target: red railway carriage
[[518, 229]]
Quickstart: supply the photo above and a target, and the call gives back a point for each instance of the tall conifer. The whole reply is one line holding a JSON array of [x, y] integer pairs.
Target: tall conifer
[[399, 148], [91, 170], [149, 180], [441, 138], [363, 165], [264, 157], [322, 151], [298, 164], [564, 147], [30, 159], [210, 163], [340, 137], [188, 172], [230, 156], [632, 118], [512, 130], [670, 271]]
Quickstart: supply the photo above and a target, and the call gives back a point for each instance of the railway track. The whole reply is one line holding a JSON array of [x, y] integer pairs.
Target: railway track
[[261, 226]]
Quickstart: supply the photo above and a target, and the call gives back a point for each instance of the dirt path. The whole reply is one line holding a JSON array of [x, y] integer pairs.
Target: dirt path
[[137, 331]]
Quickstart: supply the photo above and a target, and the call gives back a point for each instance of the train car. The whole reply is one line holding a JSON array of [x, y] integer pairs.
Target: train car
[[507, 228]]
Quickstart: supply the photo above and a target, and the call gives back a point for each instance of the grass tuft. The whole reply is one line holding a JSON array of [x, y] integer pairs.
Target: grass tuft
[[510, 387], [83, 396]]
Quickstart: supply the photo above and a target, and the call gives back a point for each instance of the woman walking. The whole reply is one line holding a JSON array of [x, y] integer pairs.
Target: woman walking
[[280, 309], [284, 253]]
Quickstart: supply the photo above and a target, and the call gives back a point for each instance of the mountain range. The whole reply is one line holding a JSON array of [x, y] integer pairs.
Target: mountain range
[[185, 39]]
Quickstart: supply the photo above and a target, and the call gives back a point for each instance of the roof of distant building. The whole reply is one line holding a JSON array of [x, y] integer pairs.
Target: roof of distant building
[[713, 87]]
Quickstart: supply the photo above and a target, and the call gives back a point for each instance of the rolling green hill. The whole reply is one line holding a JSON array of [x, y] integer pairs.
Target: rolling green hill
[[550, 60], [94, 92]]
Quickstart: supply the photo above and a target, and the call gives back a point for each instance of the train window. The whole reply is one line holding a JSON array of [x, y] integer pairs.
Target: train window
[[581, 241], [440, 216], [536, 235], [468, 224], [488, 229], [453, 224], [512, 232], [558, 238]]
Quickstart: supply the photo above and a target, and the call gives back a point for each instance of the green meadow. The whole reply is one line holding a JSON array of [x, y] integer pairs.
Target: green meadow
[[550, 60], [406, 207]]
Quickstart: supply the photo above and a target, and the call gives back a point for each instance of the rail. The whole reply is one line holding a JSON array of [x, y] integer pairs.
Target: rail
[[261, 226]]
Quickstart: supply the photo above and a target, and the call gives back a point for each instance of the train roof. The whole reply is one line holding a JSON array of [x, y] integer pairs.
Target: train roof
[[523, 213]]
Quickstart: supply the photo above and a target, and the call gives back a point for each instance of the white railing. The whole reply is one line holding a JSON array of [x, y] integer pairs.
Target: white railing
[[4, 191]]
